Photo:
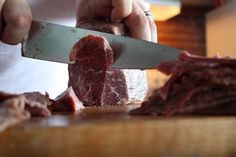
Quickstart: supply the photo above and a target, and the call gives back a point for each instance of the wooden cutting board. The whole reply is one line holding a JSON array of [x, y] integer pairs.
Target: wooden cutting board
[[111, 132]]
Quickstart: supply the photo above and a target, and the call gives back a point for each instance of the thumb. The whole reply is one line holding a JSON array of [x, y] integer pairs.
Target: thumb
[[17, 17]]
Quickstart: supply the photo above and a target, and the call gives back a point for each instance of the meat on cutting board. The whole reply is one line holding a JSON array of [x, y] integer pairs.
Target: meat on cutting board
[[15, 108], [88, 76], [12, 111], [35, 103], [94, 82], [66, 102], [197, 85]]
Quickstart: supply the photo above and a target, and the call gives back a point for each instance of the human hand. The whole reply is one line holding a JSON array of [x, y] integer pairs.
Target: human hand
[[129, 12], [15, 20]]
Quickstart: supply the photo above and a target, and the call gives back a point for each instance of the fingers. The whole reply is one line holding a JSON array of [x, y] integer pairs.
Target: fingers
[[129, 12], [121, 9], [17, 17], [153, 28], [138, 24]]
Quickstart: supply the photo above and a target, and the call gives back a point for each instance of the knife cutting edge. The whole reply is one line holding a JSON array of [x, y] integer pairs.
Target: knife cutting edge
[[52, 42]]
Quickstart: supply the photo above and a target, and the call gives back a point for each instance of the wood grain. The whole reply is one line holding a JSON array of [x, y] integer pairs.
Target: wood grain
[[111, 132]]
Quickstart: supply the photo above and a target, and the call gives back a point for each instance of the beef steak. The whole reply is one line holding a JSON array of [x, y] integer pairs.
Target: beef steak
[[108, 86], [88, 76]]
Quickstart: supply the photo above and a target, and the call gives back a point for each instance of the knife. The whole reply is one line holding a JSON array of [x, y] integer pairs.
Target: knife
[[52, 42]]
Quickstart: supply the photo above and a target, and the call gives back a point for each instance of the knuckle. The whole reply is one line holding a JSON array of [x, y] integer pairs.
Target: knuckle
[[128, 9], [17, 13], [142, 20], [21, 21], [9, 41], [124, 13], [124, 7]]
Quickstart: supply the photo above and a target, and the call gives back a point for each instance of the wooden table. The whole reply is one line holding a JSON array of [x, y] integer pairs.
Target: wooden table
[[110, 131]]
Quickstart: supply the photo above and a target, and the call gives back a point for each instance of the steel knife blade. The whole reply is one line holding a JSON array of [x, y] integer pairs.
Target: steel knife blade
[[53, 42]]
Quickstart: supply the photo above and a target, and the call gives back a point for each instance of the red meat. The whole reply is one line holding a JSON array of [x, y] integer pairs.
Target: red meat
[[66, 102], [91, 77], [198, 85]]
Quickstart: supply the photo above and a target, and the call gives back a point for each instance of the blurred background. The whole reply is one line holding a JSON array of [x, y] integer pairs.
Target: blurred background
[[202, 27]]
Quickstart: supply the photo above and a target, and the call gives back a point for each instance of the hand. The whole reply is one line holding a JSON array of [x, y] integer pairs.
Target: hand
[[15, 20], [129, 12]]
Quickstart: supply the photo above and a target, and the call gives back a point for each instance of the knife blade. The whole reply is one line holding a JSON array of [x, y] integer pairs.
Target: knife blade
[[52, 42]]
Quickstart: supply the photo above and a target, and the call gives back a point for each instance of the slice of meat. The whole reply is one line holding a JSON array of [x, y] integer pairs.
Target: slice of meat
[[198, 85], [12, 111], [110, 86], [88, 75], [66, 102]]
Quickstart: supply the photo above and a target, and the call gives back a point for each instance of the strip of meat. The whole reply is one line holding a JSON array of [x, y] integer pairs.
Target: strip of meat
[[197, 85], [185, 56]]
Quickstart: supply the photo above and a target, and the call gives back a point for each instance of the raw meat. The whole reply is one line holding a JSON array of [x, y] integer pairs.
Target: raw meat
[[88, 75], [12, 111], [94, 82], [15, 108], [37, 104], [4, 96], [198, 85], [66, 102]]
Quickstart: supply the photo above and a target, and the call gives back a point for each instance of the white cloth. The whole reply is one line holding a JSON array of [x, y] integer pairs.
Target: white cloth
[[19, 74]]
